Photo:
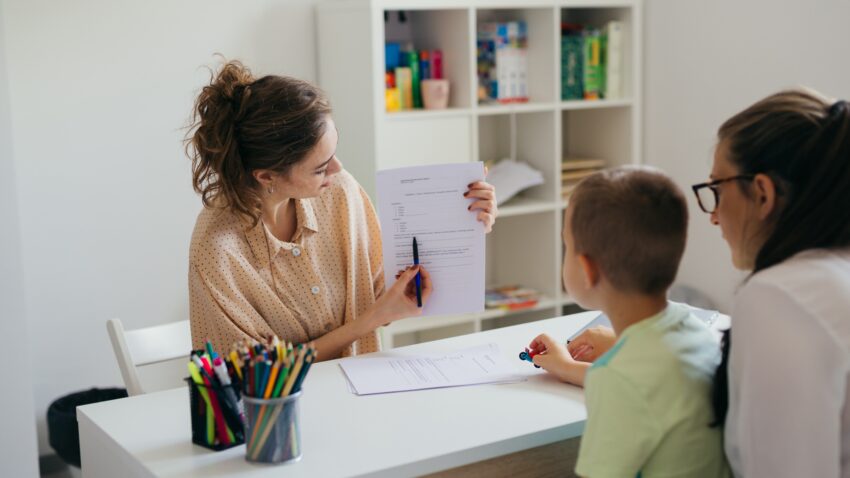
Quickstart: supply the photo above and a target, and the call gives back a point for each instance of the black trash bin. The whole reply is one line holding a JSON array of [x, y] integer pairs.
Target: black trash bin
[[62, 430]]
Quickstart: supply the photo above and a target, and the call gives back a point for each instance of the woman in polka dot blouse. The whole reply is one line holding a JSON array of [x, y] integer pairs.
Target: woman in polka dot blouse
[[287, 243]]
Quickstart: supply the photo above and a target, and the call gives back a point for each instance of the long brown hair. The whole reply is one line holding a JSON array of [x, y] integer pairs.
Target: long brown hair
[[241, 124], [802, 141]]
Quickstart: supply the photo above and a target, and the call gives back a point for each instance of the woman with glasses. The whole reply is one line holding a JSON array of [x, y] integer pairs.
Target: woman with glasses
[[780, 192]]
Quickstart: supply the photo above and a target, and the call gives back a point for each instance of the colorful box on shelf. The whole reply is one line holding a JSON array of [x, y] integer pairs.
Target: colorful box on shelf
[[592, 61], [511, 297], [503, 62]]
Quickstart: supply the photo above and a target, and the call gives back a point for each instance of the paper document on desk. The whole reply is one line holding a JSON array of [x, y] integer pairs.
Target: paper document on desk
[[473, 366], [427, 202]]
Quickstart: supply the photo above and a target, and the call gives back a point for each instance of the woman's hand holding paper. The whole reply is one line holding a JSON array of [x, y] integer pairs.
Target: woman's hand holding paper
[[485, 203]]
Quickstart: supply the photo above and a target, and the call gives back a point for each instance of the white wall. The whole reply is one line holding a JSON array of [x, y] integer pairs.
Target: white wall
[[99, 92], [17, 440], [707, 60]]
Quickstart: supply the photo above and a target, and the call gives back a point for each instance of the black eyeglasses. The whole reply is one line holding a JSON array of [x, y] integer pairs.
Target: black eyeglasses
[[708, 194]]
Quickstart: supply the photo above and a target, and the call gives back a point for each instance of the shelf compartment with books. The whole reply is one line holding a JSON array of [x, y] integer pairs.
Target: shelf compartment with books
[[444, 31], [523, 137], [596, 54], [537, 53], [606, 134], [522, 251]]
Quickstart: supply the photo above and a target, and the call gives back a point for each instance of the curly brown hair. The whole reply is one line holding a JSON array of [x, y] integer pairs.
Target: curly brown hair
[[241, 124]]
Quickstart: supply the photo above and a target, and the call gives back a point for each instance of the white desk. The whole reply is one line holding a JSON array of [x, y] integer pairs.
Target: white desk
[[399, 434]]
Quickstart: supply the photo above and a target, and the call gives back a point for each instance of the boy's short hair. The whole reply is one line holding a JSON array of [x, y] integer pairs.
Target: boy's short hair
[[632, 221]]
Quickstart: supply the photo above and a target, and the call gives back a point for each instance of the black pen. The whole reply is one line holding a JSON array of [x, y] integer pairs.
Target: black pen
[[418, 278]]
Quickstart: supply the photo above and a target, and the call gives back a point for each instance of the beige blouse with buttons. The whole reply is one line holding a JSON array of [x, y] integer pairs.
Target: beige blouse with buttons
[[244, 282]]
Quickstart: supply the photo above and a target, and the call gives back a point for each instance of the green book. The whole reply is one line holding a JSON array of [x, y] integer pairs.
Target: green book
[[413, 64], [592, 65]]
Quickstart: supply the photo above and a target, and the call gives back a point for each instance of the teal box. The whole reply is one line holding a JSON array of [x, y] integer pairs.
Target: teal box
[[572, 63]]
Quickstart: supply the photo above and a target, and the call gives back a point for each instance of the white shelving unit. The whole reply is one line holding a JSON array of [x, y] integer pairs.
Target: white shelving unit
[[525, 246]]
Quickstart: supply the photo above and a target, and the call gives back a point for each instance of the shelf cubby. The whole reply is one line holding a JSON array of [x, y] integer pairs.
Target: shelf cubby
[[526, 137], [522, 250], [598, 17], [603, 133], [446, 30], [542, 37]]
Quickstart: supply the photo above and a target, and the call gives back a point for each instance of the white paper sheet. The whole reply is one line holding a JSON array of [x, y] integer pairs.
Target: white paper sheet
[[511, 177], [427, 202], [474, 366]]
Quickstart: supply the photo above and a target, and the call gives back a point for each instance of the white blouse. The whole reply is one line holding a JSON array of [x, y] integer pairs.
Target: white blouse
[[788, 370]]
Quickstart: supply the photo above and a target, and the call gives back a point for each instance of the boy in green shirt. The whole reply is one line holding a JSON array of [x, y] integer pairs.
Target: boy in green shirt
[[648, 397]]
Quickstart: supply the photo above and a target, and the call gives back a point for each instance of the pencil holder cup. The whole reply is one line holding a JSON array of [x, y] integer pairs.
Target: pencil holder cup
[[216, 413], [272, 429], [435, 93]]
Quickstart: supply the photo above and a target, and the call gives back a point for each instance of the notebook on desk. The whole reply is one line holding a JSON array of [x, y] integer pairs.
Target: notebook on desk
[[707, 316]]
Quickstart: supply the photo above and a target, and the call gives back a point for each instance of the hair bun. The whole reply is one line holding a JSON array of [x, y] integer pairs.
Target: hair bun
[[839, 108], [230, 85]]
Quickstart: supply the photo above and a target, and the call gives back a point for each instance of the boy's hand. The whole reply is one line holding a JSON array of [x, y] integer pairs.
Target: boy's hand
[[554, 357], [592, 343]]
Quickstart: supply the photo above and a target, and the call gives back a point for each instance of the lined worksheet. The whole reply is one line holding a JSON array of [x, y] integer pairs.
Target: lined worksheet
[[473, 366], [427, 202]]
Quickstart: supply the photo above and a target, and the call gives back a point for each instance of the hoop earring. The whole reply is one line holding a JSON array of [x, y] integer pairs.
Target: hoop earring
[[270, 190]]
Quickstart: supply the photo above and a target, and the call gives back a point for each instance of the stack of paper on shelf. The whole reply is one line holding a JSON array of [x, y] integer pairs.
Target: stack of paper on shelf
[[510, 177], [573, 170]]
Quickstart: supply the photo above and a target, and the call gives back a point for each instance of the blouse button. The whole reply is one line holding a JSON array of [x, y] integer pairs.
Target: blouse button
[[296, 252], [315, 289]]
